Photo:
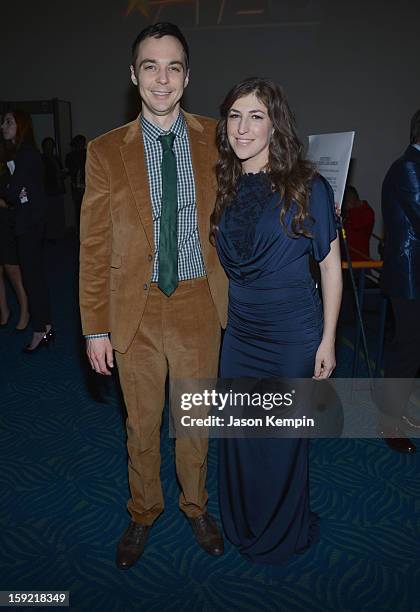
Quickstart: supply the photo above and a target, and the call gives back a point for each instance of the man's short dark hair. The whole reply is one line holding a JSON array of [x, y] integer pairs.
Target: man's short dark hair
[[415, 128], [158, 30]]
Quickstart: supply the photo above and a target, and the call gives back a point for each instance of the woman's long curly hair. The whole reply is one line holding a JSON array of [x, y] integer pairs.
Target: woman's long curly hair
[[288, 172], [24, 132]]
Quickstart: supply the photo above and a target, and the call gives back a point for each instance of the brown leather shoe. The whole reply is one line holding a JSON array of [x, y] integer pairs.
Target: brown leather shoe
[[131, 545], [207, 534]]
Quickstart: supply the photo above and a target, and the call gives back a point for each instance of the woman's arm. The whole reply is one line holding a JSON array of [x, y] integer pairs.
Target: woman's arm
[[332, 286]]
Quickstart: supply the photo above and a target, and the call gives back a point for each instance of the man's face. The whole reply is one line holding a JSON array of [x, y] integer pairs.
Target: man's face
[[161, 76]]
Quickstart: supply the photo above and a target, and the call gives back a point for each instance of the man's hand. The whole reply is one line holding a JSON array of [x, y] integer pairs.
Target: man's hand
[[100, 355], [3, 203]]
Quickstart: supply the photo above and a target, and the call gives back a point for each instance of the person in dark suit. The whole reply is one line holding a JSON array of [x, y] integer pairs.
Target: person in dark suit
[[401, 283], [25, 192], [54, 189], [9, 262], [75, 164]]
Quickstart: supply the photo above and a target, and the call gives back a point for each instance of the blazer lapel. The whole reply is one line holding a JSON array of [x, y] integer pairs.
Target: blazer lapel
[[200, 162], [133, 157]]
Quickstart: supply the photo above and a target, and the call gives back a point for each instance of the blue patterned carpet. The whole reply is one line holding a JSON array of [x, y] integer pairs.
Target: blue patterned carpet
[[64, 489]]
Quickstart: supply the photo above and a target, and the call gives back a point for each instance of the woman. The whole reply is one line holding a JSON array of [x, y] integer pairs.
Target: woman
[[25, 192], [272, 212], [8, 256]]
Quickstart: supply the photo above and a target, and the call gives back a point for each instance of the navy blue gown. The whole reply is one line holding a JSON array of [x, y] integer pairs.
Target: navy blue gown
[[274, 329]]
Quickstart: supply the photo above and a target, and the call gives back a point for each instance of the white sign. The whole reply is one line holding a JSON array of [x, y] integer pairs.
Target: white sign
[[331, 154]]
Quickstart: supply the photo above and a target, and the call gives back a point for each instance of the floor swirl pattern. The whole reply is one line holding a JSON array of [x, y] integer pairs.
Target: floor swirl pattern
[[64, 487]]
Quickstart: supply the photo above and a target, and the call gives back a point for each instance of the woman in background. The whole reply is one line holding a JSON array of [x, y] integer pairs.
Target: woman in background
[[25, 192], [272, 212], [9, 264]]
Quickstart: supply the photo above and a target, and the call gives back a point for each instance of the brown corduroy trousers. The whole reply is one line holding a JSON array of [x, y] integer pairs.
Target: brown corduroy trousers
[[179, 335]]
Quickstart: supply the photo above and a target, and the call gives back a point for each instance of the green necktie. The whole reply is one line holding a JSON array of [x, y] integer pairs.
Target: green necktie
[[168, 237]]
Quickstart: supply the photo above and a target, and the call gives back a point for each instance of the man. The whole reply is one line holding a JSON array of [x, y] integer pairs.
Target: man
[[401, 283], [75, 163], [149, 276]]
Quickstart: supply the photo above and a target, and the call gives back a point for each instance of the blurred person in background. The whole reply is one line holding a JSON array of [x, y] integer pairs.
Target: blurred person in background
[[401, 283], [55, 190], [9, 263], [75, 164], [358, 219], [25, 192]]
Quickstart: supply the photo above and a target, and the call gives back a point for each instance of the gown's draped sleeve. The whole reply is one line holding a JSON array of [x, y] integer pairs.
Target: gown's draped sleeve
[[322, 209]]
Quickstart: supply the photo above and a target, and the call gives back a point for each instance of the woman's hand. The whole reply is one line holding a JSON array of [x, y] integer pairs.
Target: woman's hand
[[337, 209], [324, 360], [3, 204]]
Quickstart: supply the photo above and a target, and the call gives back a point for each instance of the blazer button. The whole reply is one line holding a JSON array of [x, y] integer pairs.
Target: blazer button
[[145, 286], [150, 257]]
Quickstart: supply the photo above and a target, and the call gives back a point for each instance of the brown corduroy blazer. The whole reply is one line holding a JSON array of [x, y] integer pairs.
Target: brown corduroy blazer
[[116, 229]]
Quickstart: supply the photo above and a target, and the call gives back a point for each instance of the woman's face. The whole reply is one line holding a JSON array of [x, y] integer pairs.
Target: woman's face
[[9, 127], [249, 130]]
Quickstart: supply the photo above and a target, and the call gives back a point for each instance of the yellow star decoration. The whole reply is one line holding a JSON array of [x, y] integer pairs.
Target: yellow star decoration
[[141, 5]]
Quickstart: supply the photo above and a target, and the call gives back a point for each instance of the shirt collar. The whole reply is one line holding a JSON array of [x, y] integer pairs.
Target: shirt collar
[[152, 131], [416, 146]]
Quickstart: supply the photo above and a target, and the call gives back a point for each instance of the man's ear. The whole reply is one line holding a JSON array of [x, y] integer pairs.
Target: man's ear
[[133, 75], [187, 79]]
